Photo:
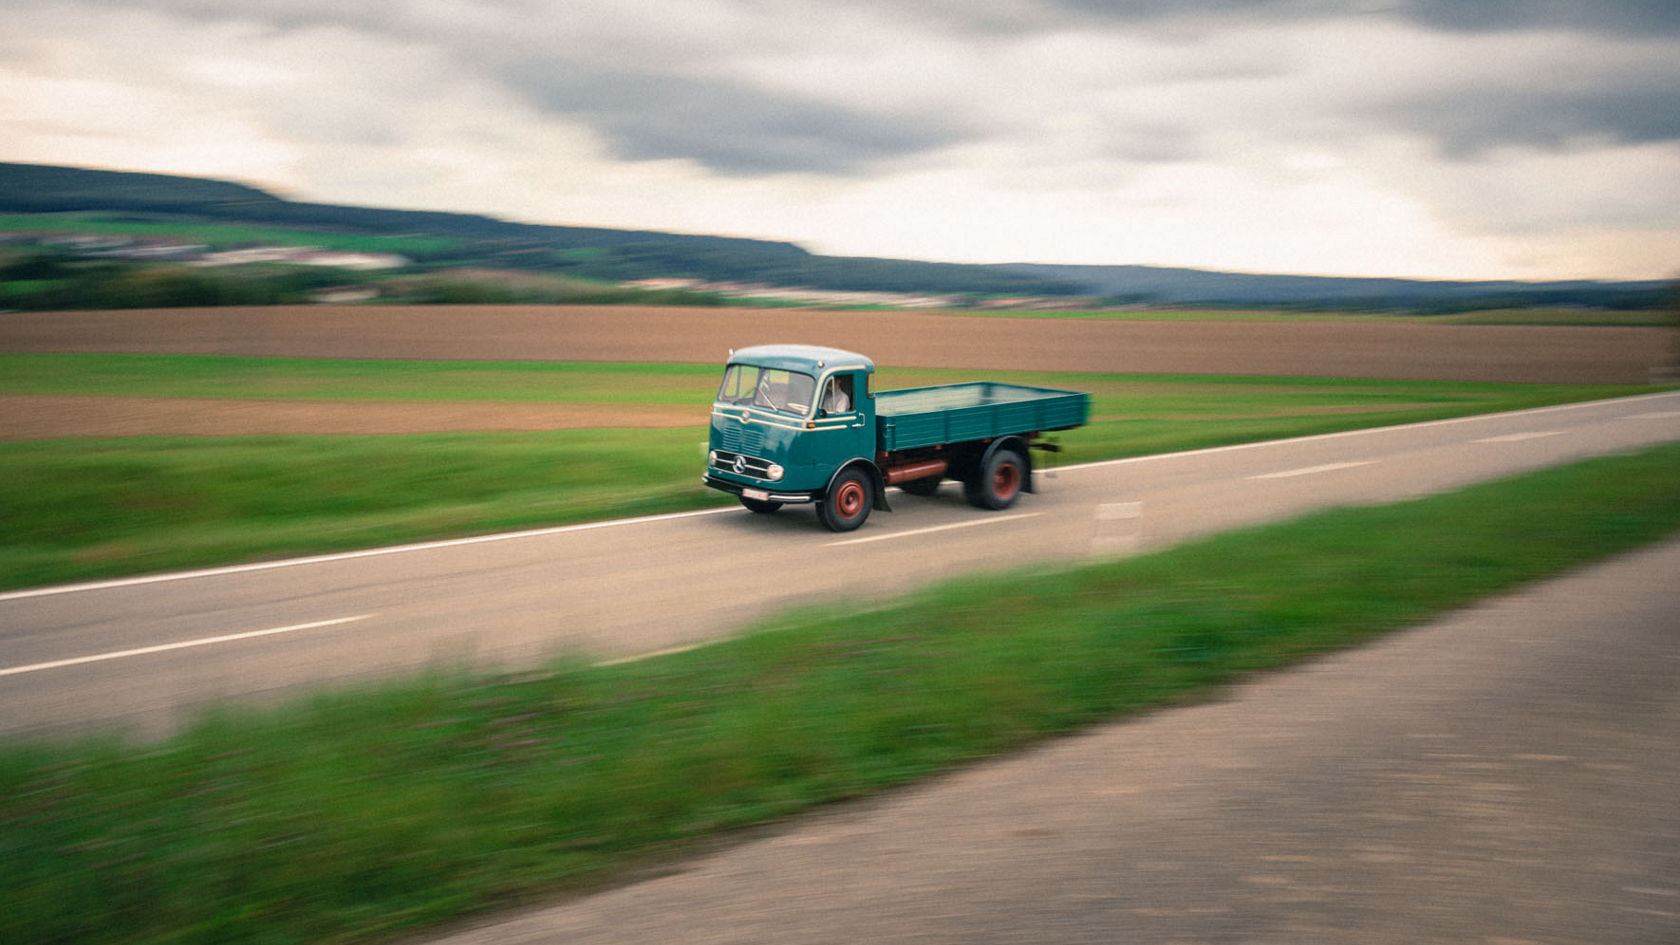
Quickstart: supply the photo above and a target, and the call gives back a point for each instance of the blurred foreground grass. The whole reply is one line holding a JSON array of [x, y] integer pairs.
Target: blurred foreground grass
[[81, 509], [367, 813]]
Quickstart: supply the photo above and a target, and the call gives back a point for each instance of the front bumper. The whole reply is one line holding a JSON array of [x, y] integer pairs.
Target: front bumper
[[755, 493]]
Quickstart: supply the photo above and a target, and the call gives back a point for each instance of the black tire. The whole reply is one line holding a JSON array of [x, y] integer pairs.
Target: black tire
[[999, 482], [848, 501], [760, 506], [927, 486]]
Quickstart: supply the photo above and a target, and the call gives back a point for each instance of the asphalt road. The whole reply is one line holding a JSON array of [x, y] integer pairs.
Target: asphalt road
[[142, 653]]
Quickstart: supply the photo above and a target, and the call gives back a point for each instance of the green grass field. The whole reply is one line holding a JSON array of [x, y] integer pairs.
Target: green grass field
[[1146, 396], [81, 509], [368, 814], [209, 376]]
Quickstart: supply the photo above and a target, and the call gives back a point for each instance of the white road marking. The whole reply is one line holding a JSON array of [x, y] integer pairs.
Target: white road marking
[[1119, 510], [1367, 431], [1519, 437], [1312, 470], [651, 654], [989, 520], [1117, 527], [352, 555], [165, 647]]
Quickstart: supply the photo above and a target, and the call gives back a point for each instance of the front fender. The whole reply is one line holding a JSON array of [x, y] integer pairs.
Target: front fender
[[877, 481]]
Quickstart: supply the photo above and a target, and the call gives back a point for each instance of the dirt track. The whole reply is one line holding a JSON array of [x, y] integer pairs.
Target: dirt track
[[1374, 349], [908, 339]]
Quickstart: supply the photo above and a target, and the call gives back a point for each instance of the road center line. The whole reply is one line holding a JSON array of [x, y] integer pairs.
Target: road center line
[[1311, 470], [165, 647], [1519, 437], [1372, 431], [935, 528], [353, 555]]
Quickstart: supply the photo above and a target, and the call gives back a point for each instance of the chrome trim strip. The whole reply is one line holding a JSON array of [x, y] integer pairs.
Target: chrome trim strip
[[754, 466], [759, 415], [735, 488]]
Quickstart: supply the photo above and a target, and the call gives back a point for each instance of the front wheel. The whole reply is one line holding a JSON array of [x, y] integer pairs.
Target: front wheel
[[847, 502], [998, 484]]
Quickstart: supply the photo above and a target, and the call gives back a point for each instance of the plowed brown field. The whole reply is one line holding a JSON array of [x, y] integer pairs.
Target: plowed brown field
[[1326, 348]]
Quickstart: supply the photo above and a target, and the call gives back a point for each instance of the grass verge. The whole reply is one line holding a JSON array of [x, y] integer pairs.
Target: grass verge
[[82, 509], [366, 814]]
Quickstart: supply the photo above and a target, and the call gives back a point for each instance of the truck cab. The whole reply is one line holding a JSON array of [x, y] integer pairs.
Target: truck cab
[[788, 422]]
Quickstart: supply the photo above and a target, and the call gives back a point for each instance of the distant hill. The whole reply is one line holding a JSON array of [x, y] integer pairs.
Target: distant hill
[[1168, 286], [40, 188], [596, 252], [615, 254]]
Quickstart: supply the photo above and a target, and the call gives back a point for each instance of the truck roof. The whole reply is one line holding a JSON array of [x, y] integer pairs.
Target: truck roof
[[808, 359]]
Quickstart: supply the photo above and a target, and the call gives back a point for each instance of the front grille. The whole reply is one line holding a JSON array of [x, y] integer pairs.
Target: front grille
[[741, 438], [750, 465]]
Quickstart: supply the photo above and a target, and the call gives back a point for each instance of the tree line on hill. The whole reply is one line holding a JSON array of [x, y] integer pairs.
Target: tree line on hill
[[605, 255]]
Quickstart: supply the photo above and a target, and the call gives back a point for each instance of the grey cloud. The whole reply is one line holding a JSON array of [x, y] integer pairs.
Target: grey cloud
[[1155, 143], [1160, 9], [651, 101], [1640, 110], [730, 127], [1626, 17], [638, 99]]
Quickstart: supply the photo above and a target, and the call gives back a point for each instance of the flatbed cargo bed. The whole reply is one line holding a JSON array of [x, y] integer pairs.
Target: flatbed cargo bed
[[952, 413]]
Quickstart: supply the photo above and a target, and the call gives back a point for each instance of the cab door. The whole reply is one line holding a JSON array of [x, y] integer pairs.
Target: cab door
[[842, 417]]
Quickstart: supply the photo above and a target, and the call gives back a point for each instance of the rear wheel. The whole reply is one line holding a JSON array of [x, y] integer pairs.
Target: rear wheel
[[847, 503], [998, 483], [760, 506]]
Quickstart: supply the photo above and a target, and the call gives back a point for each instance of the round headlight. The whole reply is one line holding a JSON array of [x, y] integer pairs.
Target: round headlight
[[774, 472], [711, 458]]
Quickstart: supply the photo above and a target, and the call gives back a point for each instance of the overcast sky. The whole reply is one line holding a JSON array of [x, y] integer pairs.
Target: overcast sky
[[1531, 139]]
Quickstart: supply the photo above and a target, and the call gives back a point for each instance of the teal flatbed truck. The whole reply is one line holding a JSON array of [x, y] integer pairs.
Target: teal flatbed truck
[[799, 424]]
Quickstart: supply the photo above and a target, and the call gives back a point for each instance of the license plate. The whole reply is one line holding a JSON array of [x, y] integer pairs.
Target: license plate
[[758, 494]]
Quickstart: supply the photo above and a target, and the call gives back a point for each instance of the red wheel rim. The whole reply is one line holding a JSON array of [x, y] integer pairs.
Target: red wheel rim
[[1006, 481], [849, 500]]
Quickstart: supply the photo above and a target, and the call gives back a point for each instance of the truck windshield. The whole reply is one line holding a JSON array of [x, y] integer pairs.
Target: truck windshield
[[786, 392]]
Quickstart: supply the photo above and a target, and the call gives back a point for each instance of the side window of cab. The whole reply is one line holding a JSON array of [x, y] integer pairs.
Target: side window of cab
[[837, 395]]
